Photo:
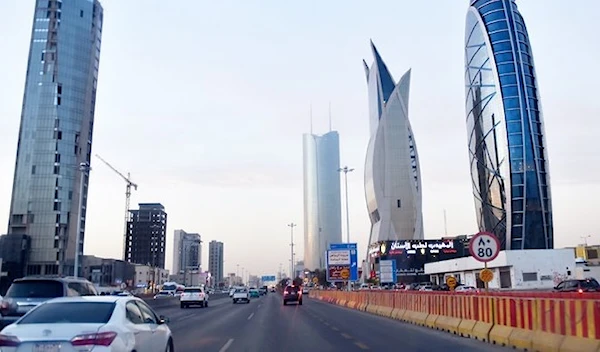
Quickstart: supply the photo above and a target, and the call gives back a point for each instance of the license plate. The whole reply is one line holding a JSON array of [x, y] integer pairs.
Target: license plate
[[46, 347]]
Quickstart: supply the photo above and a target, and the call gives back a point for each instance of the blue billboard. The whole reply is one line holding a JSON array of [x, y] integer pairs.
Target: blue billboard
[[342, 263], [267, 278]]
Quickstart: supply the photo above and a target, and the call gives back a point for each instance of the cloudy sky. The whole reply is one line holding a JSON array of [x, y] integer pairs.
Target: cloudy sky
[[205, 103]]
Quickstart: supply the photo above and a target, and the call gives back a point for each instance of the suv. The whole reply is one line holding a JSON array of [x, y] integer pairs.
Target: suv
[[241, 294], [28, 292], [193, 295], [292, 294], [585, 285]]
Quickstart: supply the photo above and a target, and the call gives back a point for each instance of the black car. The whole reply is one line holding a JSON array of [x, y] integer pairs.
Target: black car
[[292, 294], [584, 285]]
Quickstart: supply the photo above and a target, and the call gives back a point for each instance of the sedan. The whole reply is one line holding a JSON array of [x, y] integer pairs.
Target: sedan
[[101, 323]]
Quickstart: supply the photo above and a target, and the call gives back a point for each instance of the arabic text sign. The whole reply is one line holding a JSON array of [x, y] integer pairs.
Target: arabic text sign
[[338, 257], [338, 272]]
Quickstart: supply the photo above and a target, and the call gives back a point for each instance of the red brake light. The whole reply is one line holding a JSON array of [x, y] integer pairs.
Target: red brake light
[[285, 292], [580, 291], [9, 341], [99, 339]]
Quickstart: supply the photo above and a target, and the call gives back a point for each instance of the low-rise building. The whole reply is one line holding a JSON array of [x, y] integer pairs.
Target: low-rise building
[[514, 269], [150, 278], [107, 272]]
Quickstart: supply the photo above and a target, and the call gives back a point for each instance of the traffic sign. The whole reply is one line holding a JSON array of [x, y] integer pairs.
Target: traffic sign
[[342, 263], [486, 275], [267, 278], [315, 280], [484, 247], [451, 282]]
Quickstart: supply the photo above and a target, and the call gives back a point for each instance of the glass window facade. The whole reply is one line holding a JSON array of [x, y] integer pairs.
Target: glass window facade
[[509, 164], [55, 134]]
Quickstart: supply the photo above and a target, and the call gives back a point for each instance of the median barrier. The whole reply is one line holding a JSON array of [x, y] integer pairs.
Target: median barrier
[[533, 321]]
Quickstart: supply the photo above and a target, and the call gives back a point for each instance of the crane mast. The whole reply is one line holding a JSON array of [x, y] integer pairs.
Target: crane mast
[[128, 185]]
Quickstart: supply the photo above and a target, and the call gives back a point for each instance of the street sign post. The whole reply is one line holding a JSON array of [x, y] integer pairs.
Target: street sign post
[[485, 247], [342, 263]]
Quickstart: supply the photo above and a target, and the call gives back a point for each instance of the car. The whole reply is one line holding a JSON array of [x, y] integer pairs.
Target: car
[[305, 290], [580, 286], [163, 295], [241, 294], [28, 292], [292, 294], [254, 293], [192, 296], [99, 323], [464, 288]]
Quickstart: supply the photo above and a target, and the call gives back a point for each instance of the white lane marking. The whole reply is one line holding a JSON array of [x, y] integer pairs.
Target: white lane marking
[[251, 315], [226, 345]]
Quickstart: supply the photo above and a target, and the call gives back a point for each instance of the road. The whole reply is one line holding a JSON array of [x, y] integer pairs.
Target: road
[[266, 325]]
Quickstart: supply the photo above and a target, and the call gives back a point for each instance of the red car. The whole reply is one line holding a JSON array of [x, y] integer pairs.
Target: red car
[[292, 294]]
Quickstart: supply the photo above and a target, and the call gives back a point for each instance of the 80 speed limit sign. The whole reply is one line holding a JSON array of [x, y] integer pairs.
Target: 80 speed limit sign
[[484, 247]]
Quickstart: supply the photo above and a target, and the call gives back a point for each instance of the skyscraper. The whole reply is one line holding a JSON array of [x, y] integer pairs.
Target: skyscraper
[[146, 235], [215, 261], [507, 147], [392, 171], [55, 135], [322, 204], [187, 251]]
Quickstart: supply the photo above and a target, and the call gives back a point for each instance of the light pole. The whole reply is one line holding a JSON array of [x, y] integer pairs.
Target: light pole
[[84, 169], [346, 170], [292, 225]]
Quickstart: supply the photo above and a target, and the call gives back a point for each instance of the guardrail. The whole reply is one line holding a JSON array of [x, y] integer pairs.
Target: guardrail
[[525, 320]]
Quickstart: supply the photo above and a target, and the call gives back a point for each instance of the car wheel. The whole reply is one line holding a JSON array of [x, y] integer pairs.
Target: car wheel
[[182, 305], [284, 303], [300, 302], [205, 303], [234, 301]]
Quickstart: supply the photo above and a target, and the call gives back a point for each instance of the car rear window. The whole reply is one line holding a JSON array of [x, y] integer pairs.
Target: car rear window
[[240, 290], [70, 313], [195, 290], [36, 289], [292, 288]]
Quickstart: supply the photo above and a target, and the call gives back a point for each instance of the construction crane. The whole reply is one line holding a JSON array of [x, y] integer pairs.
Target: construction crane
[[128, 186]]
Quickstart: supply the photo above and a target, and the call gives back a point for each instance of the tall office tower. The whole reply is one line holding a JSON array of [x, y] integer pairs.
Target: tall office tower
[[146, 235], [55, 134], [322, 204], [507, 146], [392, 171], [215, 261], [187, 251]]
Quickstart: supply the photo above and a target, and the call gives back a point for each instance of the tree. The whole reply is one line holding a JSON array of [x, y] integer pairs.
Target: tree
[[321, 275]]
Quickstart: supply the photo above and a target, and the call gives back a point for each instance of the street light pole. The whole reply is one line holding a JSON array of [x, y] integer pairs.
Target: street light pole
[[292, 225], [84, 169], [346, 170]]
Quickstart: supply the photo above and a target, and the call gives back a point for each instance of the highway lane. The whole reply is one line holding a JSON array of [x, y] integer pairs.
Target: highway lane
[[266, 325]]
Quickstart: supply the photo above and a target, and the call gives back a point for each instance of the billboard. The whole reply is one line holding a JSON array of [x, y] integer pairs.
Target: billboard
[[387, 271], [342, 263], [267, 278]]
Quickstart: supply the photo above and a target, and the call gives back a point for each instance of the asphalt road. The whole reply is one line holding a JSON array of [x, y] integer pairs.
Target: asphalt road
[[266, 325]]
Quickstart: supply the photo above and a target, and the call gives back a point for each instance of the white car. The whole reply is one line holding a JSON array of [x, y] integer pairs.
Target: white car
[[101, 323], [466, 289], [192, 296], [241, 294]]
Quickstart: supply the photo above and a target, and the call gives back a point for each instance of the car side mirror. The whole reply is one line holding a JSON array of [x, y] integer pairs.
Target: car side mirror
[[163, 320]]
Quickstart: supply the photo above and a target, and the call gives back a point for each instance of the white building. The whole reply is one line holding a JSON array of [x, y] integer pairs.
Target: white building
[[187, 252], [146, 275], [515, 269], [392, 171]]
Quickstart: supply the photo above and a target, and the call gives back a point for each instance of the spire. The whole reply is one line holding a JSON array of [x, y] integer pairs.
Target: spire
[[329, 116]]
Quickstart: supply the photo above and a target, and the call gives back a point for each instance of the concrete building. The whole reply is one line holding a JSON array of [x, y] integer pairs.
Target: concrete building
[[513, 269], [322, 203], [55, 134], [108, 272], [146, 235], [187, 252], [215, 262], [392, 172], [150, 278]]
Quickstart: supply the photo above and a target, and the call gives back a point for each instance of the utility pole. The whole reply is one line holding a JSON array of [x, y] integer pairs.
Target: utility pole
[[84, 169], [292, 225], [346, 170]]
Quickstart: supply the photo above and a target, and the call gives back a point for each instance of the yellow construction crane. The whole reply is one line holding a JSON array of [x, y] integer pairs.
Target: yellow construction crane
[[129, 184]]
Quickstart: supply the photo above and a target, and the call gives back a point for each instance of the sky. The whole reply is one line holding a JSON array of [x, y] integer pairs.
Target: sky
[[205, 103]]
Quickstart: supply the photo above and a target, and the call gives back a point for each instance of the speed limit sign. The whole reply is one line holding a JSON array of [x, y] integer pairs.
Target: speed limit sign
[[484, 247]]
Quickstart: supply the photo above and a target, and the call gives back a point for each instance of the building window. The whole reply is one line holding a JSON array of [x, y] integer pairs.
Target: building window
[[57, 158], [398, 203], [56, 205], [530, 277], [56, 170], [33, 169]]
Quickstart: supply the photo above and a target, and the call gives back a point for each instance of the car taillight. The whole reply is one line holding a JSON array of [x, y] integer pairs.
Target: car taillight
[[4, 306], [99, 339], [285, 292], [580, 291], [9, 341]]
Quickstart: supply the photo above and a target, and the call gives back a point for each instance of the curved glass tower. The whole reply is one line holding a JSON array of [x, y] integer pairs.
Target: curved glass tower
[[392, 172], [322, 203], [509, 164]]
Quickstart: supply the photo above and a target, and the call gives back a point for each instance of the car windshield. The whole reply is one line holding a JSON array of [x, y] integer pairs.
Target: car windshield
[[70, 313], [36, 289]]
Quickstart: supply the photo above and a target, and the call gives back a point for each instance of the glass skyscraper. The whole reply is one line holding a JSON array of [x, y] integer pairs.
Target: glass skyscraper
[[55, 134], [392, 171], [507, 147], [322, 203]]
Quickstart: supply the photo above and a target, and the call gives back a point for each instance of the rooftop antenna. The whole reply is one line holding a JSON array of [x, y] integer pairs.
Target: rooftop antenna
[[311, 122], [329, 116]]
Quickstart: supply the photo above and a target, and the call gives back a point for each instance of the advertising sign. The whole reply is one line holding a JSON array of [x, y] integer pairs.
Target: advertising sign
[[342, 264], [267, 278], [387, 271]]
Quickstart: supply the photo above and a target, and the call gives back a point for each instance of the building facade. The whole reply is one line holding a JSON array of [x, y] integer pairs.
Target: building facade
[[187, 252], [55, 134], [146, 235], [322, 203], [392, 171], [106, 272], [215, 261], [507, 147]]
